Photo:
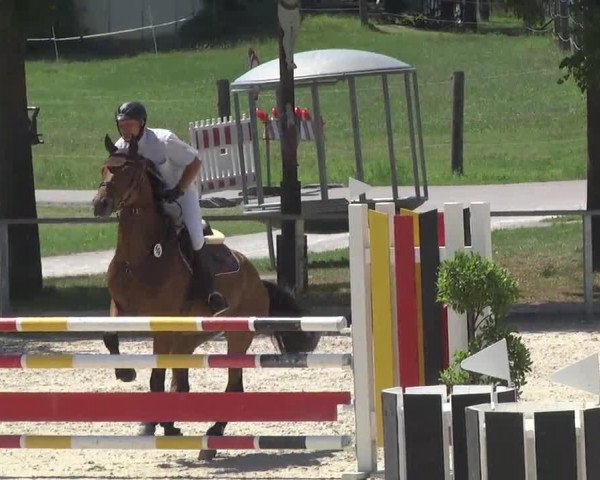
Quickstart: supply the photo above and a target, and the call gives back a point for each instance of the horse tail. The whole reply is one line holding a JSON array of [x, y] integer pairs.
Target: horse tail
[[283, 304]]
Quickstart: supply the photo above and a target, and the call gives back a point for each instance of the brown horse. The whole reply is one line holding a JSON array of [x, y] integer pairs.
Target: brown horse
[[144, 281]]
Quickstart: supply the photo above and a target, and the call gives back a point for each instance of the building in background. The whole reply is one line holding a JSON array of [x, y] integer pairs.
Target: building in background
[[100, 16]]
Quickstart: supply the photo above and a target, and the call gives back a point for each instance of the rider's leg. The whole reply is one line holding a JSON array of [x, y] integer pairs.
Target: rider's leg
[[203, 282]]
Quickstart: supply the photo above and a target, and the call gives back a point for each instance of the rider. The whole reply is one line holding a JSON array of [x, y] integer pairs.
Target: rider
[[178, 164]]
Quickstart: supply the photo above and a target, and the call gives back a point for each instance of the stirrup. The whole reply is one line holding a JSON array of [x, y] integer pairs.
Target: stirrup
[[220, 298]]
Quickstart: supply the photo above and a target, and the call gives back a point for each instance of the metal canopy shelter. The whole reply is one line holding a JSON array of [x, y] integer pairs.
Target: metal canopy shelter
[[320, 68]]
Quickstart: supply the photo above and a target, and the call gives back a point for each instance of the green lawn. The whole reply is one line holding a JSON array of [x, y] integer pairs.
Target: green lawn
[[547, 262], [71, 238], [519, 124]]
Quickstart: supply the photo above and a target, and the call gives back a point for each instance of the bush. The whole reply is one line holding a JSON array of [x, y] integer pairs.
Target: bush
[[473, 285]]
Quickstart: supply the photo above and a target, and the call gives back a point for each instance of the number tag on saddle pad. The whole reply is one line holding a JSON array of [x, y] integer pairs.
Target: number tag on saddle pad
[[158, 250]]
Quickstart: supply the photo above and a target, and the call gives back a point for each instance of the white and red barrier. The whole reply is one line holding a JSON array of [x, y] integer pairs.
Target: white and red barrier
[[217, 143]]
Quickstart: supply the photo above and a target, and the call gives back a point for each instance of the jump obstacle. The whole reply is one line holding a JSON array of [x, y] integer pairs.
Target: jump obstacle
[[395, 322], [115, 442], [426, 431], [394, 258], [162, 407], [481, 432]]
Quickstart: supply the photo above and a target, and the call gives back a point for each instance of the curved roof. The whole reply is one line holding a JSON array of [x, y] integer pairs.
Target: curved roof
[[322, 66]]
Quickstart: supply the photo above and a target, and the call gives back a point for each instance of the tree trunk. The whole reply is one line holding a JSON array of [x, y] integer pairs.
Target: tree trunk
[[447, 12], [484, 10], [363, 12], [593, 167], [469, 15], [17, 192]]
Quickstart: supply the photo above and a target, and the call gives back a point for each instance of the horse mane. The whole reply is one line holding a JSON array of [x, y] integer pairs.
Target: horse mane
[[156, 183]]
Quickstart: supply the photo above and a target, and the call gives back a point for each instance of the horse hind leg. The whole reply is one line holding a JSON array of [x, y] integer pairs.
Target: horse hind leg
[[183, 344], [237, 343]]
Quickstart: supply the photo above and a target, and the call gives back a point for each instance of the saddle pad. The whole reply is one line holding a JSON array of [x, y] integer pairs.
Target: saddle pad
[[222, 258], [213, 237]]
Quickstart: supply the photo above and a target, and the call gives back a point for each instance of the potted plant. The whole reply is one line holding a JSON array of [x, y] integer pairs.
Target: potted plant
[[474, 285]]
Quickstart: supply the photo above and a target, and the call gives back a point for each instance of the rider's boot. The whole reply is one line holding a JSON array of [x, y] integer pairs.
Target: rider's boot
[[203, 283]]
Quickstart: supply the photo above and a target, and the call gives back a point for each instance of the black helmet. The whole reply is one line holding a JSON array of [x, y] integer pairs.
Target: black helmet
[[133, 111]]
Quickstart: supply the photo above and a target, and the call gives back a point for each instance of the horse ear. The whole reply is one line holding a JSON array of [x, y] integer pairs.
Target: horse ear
[[133, 148], [110, 146]]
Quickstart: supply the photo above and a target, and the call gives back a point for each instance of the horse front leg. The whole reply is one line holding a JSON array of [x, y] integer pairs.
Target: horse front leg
[[111, 341], [179, 384], [161, 345], [183, 344], [236, 343]]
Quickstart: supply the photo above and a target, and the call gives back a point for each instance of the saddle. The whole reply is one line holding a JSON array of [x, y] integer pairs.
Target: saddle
[[222, 258]]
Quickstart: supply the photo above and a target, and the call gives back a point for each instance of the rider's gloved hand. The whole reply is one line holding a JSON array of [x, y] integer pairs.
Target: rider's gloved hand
[[172, 194]]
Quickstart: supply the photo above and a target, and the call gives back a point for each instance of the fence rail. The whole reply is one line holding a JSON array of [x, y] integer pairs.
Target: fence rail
[[586, 215]]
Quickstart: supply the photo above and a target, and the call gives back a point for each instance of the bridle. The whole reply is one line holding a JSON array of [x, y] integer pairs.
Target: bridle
[[133, 185]]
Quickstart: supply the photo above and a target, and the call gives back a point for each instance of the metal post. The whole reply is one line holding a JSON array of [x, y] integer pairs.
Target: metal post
[[588, 273], [270, 244], [4, 278], [458, 120], [240, 145], [268, 157], [55, 43], [411, 134], [152, 29], [420, 134], [319, 140], [223, 98], [256, 148], [291, 200], [360, 171], [301, 255], [390, 137]]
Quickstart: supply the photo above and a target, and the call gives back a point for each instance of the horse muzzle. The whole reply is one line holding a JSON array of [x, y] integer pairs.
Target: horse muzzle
[[103, 206]]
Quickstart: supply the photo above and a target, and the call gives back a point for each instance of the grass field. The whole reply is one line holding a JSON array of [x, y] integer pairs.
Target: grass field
[[546, 261], [519, 124], [70, 238]]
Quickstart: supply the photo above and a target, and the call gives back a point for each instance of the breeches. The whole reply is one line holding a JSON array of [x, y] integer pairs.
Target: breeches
[[192, 216]]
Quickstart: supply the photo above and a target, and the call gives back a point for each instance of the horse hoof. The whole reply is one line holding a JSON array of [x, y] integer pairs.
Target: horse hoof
[[147, 429], [125, 374], [173, 432], [207, 455]]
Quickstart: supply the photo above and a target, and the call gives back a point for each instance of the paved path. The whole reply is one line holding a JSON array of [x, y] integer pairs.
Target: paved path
[[512, 196], [567, 195]]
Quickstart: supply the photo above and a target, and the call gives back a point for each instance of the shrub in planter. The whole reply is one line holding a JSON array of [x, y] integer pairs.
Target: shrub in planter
[[476, 286]]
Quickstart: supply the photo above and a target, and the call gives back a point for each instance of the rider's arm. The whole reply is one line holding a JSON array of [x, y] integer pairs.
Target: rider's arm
[[182, 154], [189, 174]]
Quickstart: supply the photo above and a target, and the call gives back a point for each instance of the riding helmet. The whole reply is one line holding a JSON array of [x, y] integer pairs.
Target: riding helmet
[[132, 111]]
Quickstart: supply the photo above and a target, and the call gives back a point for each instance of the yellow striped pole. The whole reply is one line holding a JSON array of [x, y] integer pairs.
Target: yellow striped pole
[[381, 306]]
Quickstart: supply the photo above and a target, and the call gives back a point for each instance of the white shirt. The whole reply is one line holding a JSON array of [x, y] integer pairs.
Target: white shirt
[[166, 151]]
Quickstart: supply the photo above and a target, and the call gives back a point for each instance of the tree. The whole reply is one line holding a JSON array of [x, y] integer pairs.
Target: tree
[[17, 193], [583, 66]]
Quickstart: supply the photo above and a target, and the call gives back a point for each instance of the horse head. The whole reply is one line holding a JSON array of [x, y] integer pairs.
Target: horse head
[[122, 178]]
